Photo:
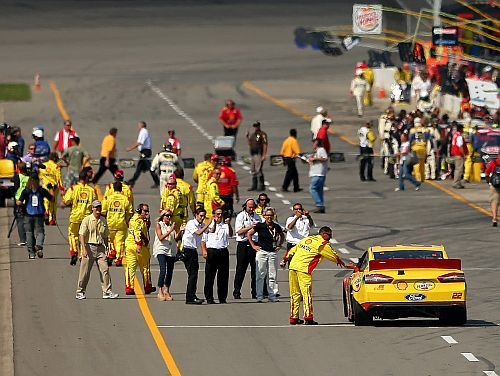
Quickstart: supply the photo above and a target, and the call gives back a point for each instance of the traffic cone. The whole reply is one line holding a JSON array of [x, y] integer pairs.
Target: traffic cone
[[37, 85], [381, 93]]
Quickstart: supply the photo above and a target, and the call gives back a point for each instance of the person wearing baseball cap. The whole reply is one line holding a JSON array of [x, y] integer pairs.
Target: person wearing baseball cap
[[126, 189], [42, 147], [317, 120], [93, 234]]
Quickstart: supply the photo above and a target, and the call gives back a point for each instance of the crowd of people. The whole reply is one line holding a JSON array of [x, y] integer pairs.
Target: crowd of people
[[107, 228]]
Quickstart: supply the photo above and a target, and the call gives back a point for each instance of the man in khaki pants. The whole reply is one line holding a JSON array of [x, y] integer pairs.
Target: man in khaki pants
[[93, 239]]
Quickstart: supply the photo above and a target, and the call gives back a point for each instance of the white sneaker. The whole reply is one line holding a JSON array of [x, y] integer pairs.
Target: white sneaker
[[80, 295], [110, 295], [21, 244], [396, 189]]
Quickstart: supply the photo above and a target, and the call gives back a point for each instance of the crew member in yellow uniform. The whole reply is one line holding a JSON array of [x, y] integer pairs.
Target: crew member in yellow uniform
[[50, 177], [79, 196], [369, 76], [187, 196], [200, 175], [212, 197], [171, 199], [118, 211], [126, 189], [137, 250], [305, 256]]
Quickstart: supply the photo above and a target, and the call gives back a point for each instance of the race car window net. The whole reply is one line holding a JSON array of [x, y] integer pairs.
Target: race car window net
[[408, 254]]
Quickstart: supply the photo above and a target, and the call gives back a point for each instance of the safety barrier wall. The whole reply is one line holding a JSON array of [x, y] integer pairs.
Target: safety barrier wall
[[384, 78], [450, 104]]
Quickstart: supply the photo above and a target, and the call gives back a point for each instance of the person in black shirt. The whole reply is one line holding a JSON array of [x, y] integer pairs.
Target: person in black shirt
[[270, 241]]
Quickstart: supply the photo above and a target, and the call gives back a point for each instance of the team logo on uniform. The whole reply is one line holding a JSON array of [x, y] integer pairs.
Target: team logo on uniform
[[83, 195], [308, 241], [116, 204]]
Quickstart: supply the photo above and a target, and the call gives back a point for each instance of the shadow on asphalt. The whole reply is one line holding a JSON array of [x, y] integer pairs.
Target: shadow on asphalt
[[427, 323]]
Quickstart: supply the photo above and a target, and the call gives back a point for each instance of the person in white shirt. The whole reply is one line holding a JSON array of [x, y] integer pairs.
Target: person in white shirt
[[245, 255], [405, 165], [214, 245], [165, 250], [297, 226], [317, 120], [358, 88], [191, 240], [317, 172], [144, 146]]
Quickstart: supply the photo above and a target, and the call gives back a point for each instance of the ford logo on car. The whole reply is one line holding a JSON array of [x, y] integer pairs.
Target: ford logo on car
[[415, 297]]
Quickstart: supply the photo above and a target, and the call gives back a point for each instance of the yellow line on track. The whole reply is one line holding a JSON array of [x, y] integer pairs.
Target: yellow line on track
[[155, 332], [141, 300], [459, 198], [59, 102], [261, 93]]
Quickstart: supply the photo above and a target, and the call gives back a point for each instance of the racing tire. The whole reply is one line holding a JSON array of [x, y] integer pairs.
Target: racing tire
[[346, 309], [361, 317], [453, 316]]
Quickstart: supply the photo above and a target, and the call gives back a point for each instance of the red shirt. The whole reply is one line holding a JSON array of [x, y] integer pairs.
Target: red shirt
[[227, 181], [323, 135], [491, 166], [231, 116]]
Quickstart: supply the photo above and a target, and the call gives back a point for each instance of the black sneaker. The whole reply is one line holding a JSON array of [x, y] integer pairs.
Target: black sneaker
[[311, 322], [211, 301], [73, 260], [237, 296], [195, 301], [109, 260], [31, 256]]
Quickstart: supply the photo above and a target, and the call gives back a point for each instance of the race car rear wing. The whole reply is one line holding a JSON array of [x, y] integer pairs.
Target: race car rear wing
[[415, 264]]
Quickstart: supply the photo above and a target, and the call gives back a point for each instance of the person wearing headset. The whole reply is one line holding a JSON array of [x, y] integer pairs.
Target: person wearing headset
[[245, 255], [137, 250]]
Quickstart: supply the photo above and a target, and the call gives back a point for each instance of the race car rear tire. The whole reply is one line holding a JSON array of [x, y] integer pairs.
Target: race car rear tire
[[361, 317], [453, 316]]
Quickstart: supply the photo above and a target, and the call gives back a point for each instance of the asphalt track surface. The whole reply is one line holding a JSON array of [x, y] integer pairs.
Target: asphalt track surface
[[115, 64]]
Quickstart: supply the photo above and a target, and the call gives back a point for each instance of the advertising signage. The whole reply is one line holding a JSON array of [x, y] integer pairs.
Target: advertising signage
[[445, 36]]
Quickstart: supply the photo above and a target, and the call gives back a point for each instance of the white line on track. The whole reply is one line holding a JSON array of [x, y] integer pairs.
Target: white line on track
[[470, 357], [279, 195], [449, 339], [343, 250], [333, 241], [286, 202], [354, 259], [490, 373], [246, 168], [252, 326], [266, 183], [272, 189]]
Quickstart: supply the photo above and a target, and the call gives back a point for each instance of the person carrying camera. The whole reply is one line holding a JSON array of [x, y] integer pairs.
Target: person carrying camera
[[31, 202]]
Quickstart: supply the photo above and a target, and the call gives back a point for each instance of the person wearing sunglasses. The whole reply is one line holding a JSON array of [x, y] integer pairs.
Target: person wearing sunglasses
[[214, 245], [137, 250], [297, 226], [165, 250], [270, 241]]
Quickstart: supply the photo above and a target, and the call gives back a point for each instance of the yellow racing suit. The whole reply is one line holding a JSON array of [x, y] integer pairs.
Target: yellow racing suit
[[186, 199], [51, 175], [170, 200], [126, 190], [118, 211], [79, 196], [305, 256], [200, 175], [212, 197], [138, 235]]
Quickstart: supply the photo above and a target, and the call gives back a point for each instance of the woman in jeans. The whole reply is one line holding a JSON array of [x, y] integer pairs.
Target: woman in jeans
[[165, 250], [405, 168], [270, 241]]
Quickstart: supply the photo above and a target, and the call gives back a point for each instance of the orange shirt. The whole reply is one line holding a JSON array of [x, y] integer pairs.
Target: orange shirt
[[108, 146], [290, 147]]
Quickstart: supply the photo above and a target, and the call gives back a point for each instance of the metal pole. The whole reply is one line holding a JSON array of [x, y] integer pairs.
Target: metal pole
[[436, 9]]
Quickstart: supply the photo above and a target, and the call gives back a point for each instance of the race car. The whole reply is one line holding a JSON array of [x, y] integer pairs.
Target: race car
[[400, 281]]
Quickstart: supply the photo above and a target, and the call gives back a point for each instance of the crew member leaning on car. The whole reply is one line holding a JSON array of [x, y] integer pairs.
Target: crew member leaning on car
[[305, 256]]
